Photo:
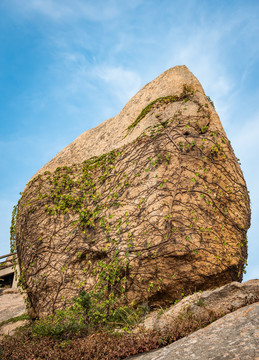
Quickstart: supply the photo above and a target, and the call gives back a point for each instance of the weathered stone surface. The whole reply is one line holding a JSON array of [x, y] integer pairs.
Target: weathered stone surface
[[11, 305], [164, 212], [11, 328], [218, 301], [233, 337]]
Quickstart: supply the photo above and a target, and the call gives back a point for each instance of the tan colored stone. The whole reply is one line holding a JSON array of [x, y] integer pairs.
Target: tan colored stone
[[11, 328], [12, 304], [165, 213]]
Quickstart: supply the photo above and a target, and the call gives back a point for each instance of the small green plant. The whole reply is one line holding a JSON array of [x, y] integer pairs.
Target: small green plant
[[200, 302], [15, 319], [149, 107], [212, 103], [63, 322], [86, 314], [13, 229]]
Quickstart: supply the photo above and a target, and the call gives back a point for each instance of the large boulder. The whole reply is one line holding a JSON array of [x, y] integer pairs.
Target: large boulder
[[144, 208]]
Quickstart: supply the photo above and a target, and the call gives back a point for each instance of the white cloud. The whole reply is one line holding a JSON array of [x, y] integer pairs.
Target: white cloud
[[251, 272], [245, 144], [66, 9], [123, 83], [78, 78], [54, 10], [202, 52], [246, 140], [73, 71]]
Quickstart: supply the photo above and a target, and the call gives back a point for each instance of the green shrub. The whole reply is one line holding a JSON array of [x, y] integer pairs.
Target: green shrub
[[63, 322], [86, 314]]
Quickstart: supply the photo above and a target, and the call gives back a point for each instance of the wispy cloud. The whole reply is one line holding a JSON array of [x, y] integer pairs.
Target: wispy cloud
[[54, 10], [122, 83], [252, 273], [79, 79], [245, 144], [246, 138], [202, 53], [57, 10]]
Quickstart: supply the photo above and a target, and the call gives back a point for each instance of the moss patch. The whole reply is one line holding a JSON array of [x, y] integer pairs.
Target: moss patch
[[147, 109], [15, 319]]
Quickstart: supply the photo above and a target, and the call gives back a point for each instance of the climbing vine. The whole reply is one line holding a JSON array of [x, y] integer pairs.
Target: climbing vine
[[13, 229]]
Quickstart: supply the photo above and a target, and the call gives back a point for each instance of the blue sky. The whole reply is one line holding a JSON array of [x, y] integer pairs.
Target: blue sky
[[66, 66]]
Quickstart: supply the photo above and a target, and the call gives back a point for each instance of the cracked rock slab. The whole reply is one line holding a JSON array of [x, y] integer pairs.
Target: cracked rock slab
[[220, 301], [233, 337], [11, 305], [10, 329]]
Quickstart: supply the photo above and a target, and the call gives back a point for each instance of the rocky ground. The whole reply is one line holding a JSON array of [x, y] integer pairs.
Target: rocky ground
[[233, 337], [12, 304], [218, 302]]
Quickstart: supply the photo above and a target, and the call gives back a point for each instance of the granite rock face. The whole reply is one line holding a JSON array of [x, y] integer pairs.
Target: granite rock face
[[233, 337], [11, 328], [12, 304], [147, 206], [217, 302]]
